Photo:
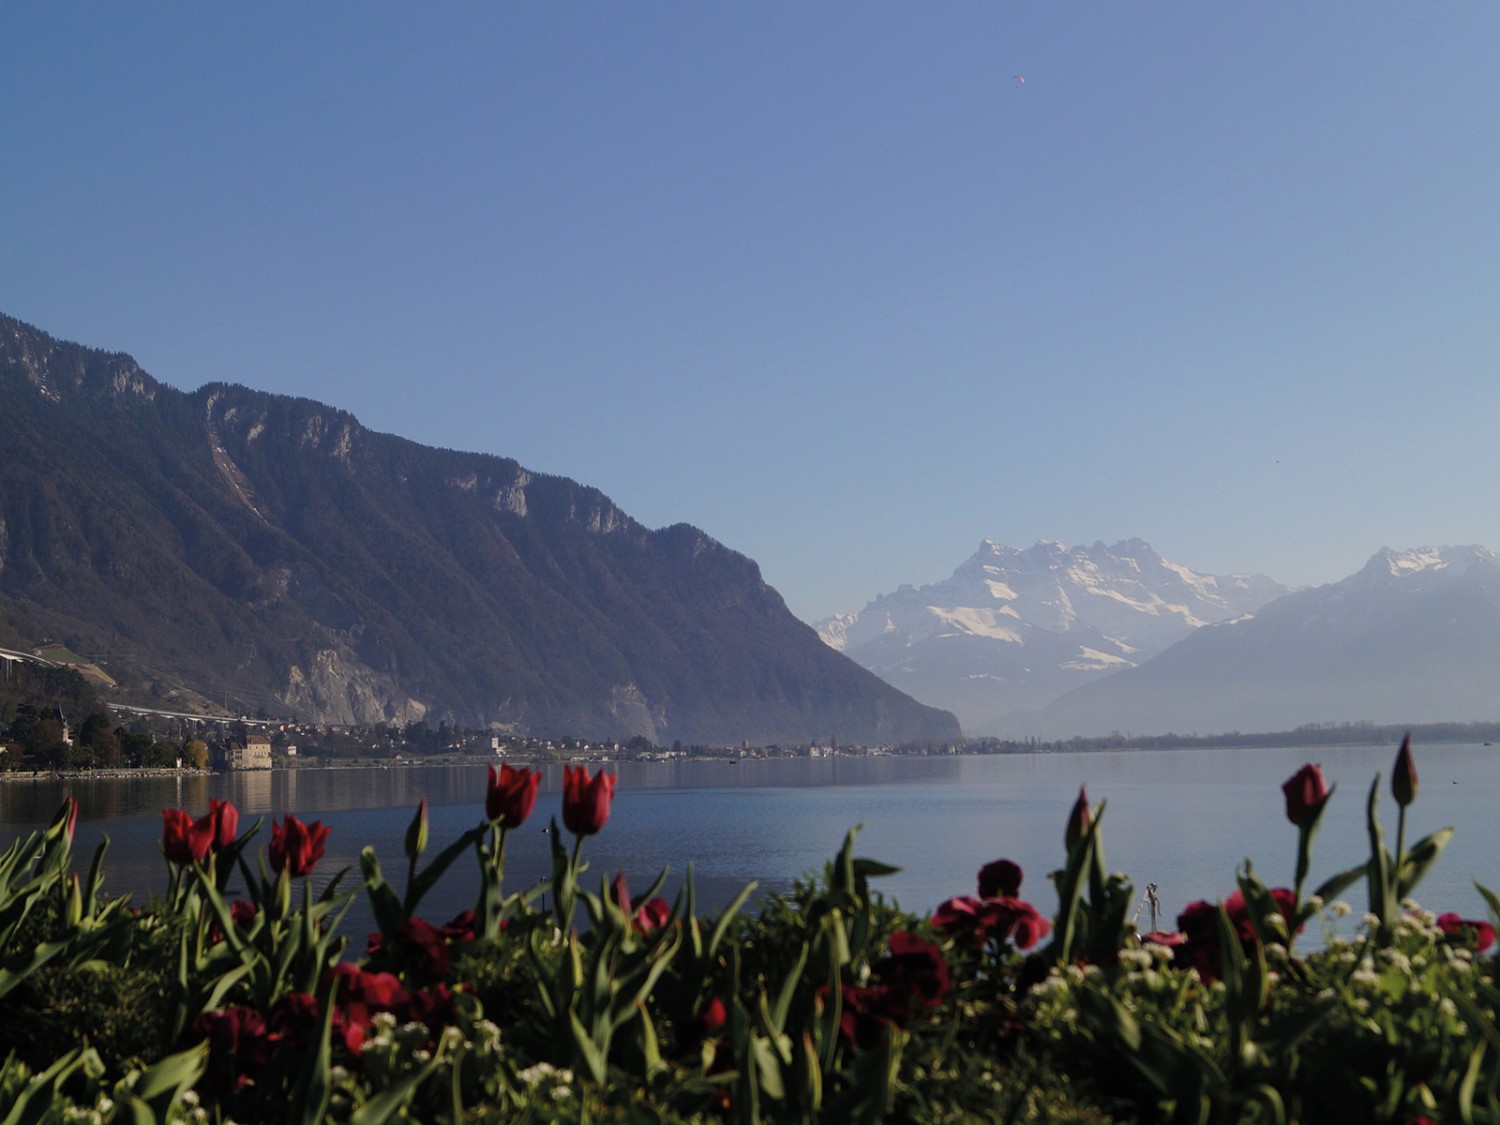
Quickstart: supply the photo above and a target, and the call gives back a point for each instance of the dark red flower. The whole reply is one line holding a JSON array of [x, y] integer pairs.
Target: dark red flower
[[225, 819], [1404, 775], [1000, 878], [424, 948], [297, 847], [66, 815], [586, 801], [459, 928], [648, 916], [866, 1013], [511, 795], [713, 1017], [431, 1006], [360, 995], [1482, 934], [183, 839], [1079, 820], [915, 967], [999, 918], [1199, 947], [239, 1031], [1306, 794]]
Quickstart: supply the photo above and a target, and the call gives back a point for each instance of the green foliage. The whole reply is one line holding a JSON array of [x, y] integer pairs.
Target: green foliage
[[829, 1004]]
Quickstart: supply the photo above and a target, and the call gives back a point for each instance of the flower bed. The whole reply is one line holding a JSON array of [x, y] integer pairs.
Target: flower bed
[[235, 996]]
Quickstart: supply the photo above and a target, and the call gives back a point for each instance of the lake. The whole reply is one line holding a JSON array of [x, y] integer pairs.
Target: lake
[[1182, 819]]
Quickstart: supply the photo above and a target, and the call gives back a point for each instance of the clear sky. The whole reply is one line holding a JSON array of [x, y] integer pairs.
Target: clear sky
[[849, 286]]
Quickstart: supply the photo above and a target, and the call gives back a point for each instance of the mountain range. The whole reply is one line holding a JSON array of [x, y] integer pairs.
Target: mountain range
[[1054, 642], [1412, 637], [1011, 630], [273, 554]]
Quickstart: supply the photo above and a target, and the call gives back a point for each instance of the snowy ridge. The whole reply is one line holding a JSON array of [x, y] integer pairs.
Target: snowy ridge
[[1016, 627]]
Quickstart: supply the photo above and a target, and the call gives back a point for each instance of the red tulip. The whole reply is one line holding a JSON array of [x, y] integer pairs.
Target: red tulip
[[183, 839], [297, 847], [713, 1017], [1079, 820], [1306, 794], [511, 795], [225, 819], [1404, 775], [1481, 933], [67, 815], [586, 801]]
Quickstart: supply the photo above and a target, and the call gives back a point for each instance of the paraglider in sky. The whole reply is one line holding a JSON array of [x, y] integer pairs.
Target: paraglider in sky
[[1020, 79]]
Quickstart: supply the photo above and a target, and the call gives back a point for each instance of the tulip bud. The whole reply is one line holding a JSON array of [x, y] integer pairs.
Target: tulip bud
[[416, 835], [75, 902], [1404, 775], [1306, 794], [1079, 819], [66, 816]]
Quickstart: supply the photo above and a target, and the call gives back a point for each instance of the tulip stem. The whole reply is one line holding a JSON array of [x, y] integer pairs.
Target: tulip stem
[[1400, 846]]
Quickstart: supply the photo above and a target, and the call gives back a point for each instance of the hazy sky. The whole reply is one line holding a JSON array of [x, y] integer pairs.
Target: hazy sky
[[849, 286]]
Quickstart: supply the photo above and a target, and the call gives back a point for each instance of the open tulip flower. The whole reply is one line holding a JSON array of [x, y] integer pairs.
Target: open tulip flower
[[511, 795], [225, 819], [183, 839], [296, 847]]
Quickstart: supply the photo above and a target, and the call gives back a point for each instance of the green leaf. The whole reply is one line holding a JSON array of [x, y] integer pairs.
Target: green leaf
[[391, 1100], [593, 1058], [1422, 855], [767, 1068], [1382, 904], [162, 1083], [788, 990]]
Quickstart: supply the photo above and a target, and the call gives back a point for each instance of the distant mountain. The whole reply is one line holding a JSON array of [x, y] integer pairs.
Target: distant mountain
[[273, 553], [1413, 637], [1014, 629]]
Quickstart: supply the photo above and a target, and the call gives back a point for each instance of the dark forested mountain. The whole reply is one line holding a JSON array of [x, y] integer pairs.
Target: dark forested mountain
[[273, 550]]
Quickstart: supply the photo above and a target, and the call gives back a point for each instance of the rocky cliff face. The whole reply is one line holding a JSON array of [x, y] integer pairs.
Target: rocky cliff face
[[274, 550]]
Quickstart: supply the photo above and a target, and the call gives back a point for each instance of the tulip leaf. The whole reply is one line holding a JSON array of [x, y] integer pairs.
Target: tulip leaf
[[1423, 855], [163, 1082], [593, 1058], [788, 991], [1382, 904], [1338, 884], [391, 1100]]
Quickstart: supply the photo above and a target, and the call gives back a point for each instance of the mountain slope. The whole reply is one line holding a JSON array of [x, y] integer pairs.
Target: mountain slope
[[1410, 638], [274, 551], [1013, 629]]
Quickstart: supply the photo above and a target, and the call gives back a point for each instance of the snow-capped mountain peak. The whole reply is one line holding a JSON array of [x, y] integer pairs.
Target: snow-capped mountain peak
[[1011, 627]]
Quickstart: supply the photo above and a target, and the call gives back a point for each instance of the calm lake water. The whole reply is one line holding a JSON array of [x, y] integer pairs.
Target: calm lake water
[[1181, 819]]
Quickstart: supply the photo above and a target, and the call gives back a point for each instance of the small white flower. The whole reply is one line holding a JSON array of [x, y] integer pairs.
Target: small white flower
[[1340, 909], [1315, 901]]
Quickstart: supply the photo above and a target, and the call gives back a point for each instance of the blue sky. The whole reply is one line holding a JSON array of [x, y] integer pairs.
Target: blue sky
[[829, 281]]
